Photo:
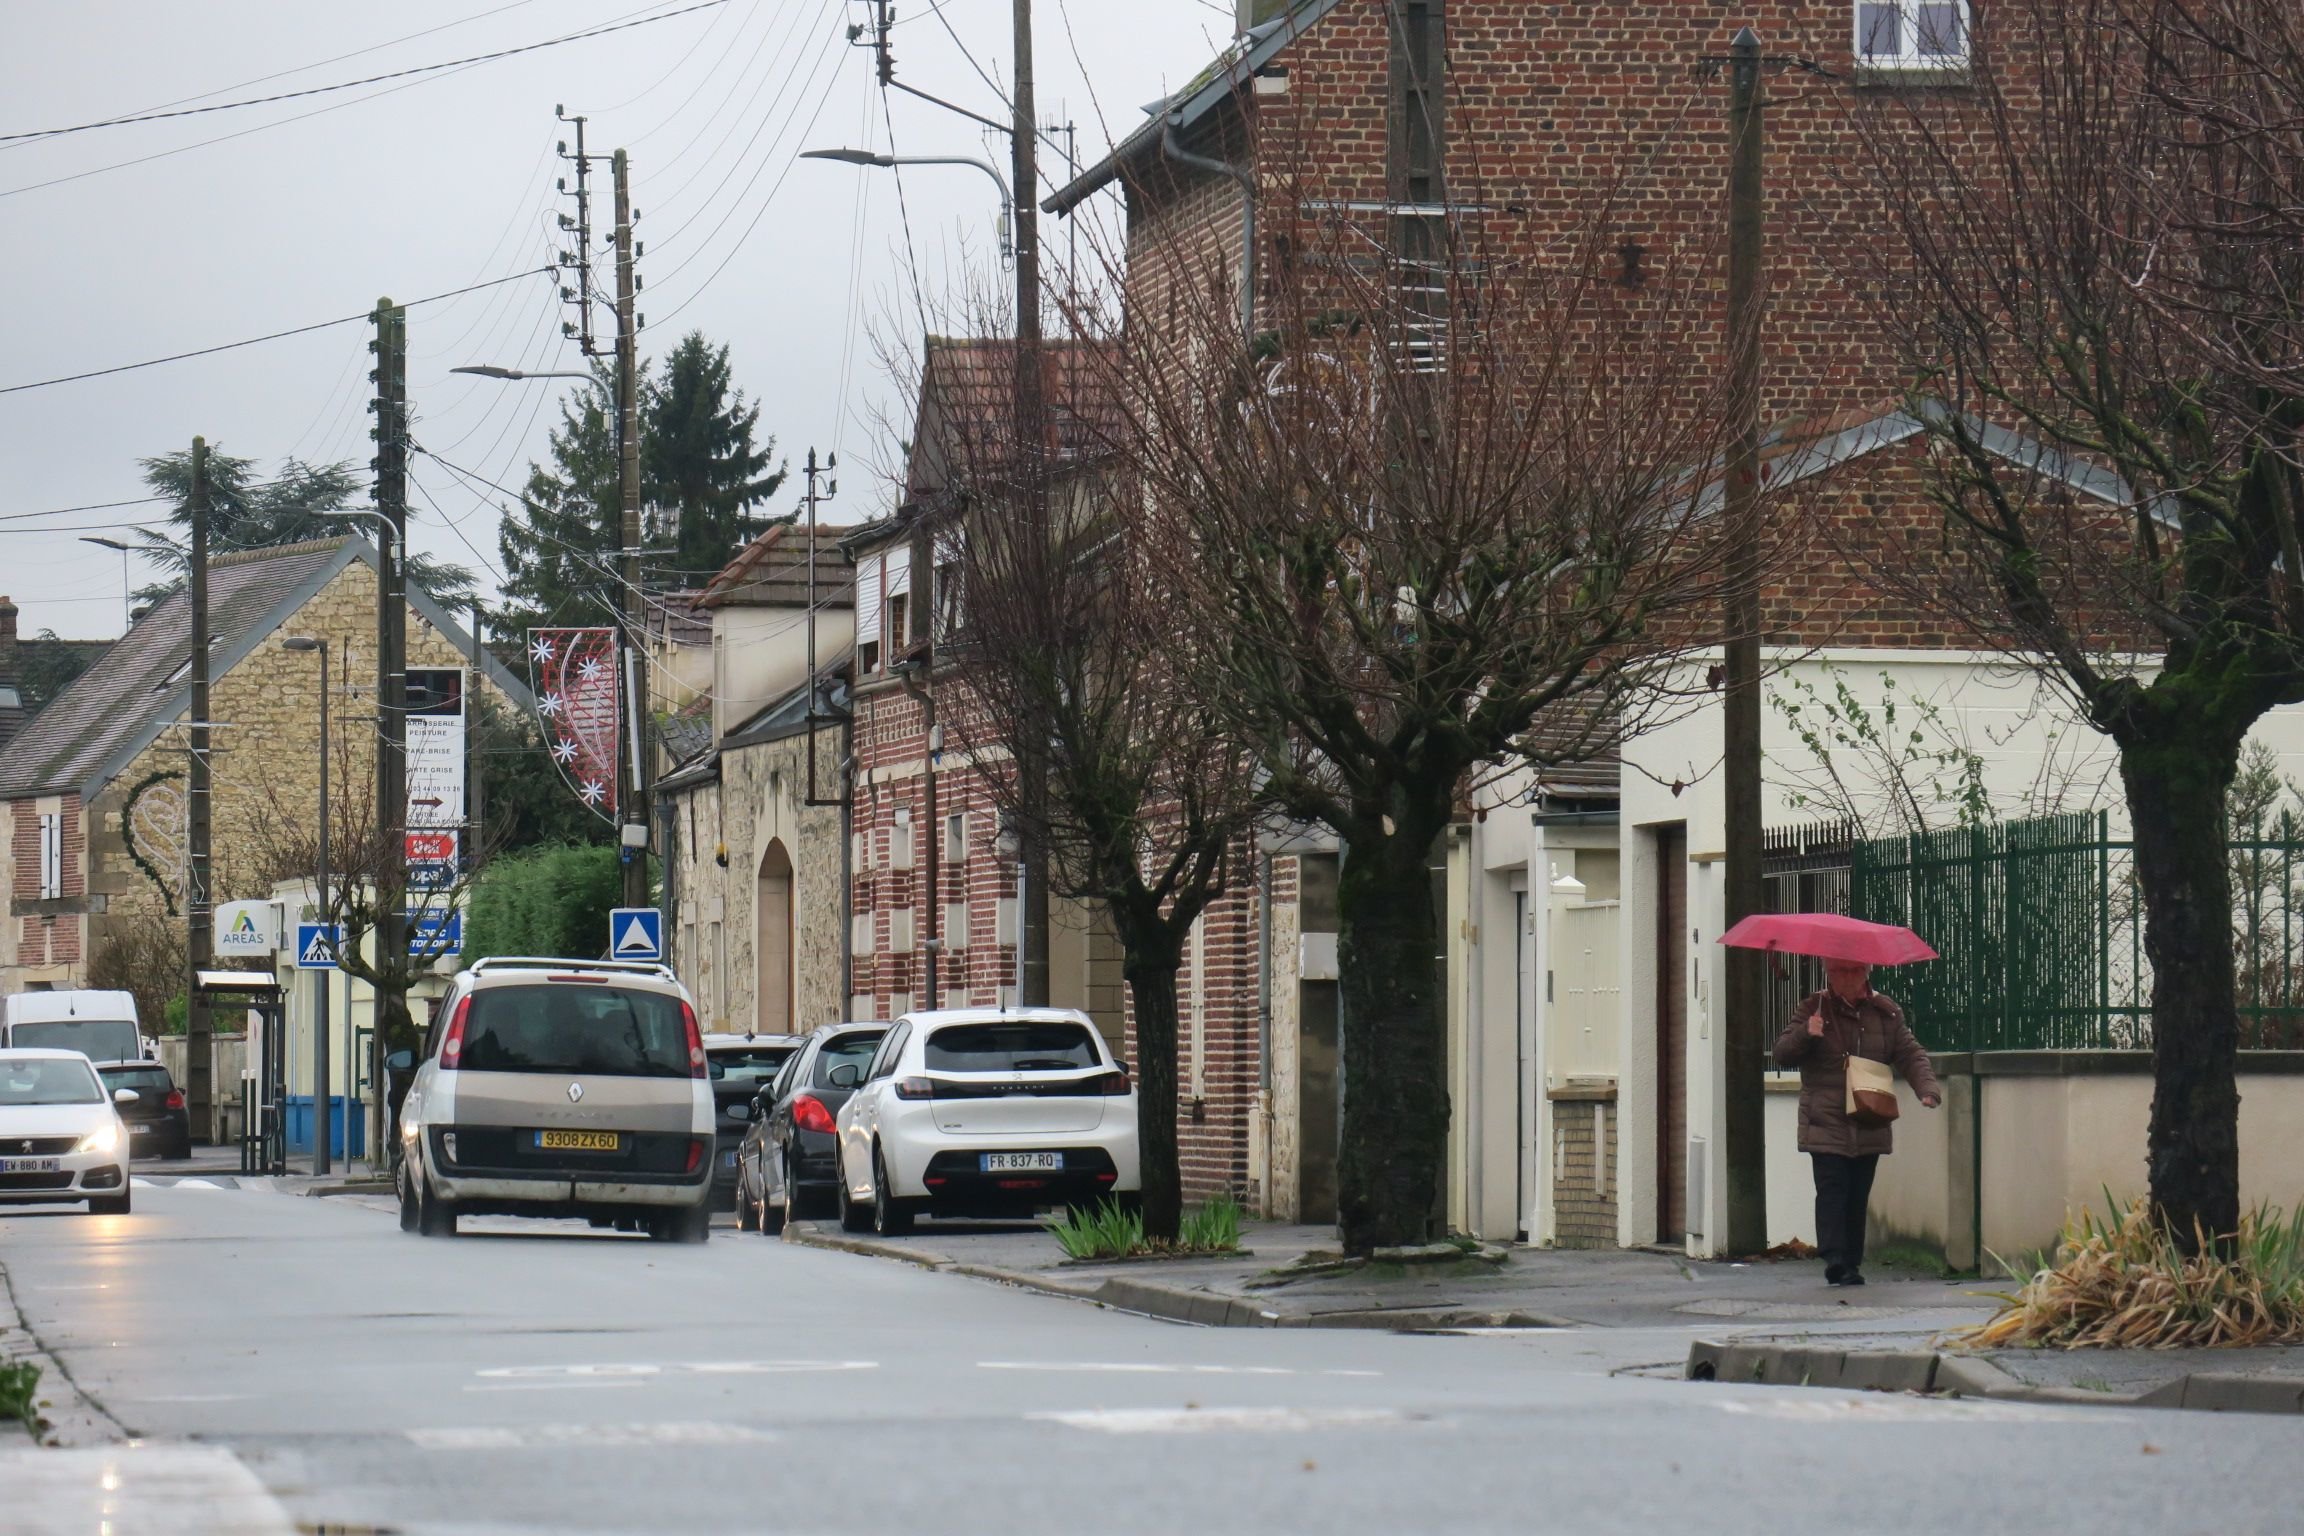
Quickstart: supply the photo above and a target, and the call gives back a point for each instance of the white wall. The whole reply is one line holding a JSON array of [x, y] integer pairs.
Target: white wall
[[761, 654]]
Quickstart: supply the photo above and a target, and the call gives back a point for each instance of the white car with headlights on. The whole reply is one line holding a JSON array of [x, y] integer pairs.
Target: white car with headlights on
[[61, 1141], [986, 1112]]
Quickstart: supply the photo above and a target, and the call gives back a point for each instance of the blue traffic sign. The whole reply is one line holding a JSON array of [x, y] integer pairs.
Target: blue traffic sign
[[636, 933], [433, 932], [316, 945]]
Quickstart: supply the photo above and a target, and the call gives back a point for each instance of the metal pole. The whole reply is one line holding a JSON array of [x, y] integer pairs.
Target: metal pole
[[199, 1041], [323, 1110], [1743, 1121]]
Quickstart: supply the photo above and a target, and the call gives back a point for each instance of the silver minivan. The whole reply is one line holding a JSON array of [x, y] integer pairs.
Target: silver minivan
[[561, 1088]]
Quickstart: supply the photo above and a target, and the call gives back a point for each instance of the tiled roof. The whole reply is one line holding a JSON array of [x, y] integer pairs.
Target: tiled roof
[[773, 570]]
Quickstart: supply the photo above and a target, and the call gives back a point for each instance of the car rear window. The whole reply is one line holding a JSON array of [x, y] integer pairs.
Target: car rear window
[[856, 1050], [614, 1031], [754, 1064], [1018, 1046], [142, 1079]]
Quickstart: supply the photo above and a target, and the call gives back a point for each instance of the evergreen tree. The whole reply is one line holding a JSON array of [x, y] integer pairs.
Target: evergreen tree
[[558, 547], [701, 469]]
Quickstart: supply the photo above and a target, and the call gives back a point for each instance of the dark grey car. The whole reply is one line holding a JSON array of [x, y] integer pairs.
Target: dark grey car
[[785, 1169]]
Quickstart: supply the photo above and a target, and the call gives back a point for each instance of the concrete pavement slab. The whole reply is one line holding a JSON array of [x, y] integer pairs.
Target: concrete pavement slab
[[125, 1490]]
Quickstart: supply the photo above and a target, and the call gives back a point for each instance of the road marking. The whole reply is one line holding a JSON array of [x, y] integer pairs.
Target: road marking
[[680, 1367], [1191, 1421], [193, 1397], [1146, 1368], [548, 1386], [1881, 1409], [540, 1437]]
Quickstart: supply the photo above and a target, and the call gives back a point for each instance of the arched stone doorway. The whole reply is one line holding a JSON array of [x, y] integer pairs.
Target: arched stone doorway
[[772, 949]]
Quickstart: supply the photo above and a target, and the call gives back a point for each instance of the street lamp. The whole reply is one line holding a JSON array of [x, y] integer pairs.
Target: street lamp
[[874, 158], [491, 371], [322, 1106], [127, 597]]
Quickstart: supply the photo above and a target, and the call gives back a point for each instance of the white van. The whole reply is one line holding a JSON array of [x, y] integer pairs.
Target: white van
[[101, 1026]]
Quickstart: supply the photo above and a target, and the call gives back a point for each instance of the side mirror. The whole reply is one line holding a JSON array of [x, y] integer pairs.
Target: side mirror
[[847, 1075], [400, 1061], [739, 1111], [125, 1096]]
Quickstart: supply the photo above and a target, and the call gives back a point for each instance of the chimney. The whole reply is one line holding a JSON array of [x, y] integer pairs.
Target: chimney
[[7, 637]]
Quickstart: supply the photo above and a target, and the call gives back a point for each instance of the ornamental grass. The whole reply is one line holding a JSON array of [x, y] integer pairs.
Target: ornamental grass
[[2125, 1283]]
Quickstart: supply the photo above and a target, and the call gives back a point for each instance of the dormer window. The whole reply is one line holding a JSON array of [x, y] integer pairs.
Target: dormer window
[[1912, 34]]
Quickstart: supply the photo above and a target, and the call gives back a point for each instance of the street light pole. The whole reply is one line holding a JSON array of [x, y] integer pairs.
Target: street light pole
[[127, 597], [323, 1106], [874, 158]]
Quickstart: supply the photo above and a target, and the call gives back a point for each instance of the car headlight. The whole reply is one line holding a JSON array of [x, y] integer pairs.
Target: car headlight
[[104, 1138]]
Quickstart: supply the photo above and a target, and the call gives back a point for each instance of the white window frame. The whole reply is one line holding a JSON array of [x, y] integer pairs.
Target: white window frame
[[51, 855], [1908, 56]]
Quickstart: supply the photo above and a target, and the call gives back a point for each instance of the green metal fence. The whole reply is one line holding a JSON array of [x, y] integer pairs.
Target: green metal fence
[[2041, 930]]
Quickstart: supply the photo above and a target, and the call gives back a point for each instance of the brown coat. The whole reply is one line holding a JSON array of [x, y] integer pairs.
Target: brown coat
[[1872, 1028]]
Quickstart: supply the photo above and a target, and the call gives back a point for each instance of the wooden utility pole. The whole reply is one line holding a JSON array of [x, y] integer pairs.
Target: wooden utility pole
[[632, 800], [199, 910], [1031, 466], [1742, 1122], [391, 936]]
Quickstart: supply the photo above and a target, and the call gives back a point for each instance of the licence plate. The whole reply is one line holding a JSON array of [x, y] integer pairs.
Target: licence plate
[[579, 1141], [728, 1160], [31, 1165], [1022, 1162]]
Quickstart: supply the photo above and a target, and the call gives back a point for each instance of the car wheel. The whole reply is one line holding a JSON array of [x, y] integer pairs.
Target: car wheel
[[747, 1214], [793, 1206], [891, 1217], [181, 1152], [111, 1205], [771, 1223], [407, 1193], [689, 1224], [853, 1217], [435, 1217]]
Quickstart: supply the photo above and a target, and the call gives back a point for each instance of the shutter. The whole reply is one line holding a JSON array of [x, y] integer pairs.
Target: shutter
[[868, 599], [899, 570]]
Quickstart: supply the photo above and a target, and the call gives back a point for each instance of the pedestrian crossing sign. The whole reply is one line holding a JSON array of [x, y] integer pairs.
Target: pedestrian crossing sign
[[316, 945], [636, 933]]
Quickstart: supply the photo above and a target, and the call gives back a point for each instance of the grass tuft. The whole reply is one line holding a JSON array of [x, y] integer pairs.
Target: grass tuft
[[1111, 1231], [2124, 1283], [19, 1386]]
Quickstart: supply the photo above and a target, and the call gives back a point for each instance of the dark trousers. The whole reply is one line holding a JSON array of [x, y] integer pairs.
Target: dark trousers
[[1843, 1189]]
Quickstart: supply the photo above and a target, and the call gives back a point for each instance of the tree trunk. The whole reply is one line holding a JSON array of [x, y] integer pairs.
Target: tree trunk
[[2176, 786], [395, 1031], [1394, 1131], [1152, 989]]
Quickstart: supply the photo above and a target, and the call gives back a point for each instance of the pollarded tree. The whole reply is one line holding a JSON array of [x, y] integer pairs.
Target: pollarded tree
[[1449, 502], [2096, 261]]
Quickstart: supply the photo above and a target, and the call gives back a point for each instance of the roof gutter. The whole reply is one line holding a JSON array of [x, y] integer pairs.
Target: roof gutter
[[1246, 180]]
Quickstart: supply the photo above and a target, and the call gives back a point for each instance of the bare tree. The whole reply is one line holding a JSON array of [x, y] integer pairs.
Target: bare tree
[[2094, 270], [1452, 506]]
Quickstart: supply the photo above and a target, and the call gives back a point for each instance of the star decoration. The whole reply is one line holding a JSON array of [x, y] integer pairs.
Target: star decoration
[[542, 648], [591, 790], [589, 669], [564, 751], [550, 706]]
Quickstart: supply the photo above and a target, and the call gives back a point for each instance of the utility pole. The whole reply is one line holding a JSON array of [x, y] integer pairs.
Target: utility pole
[[1747, 1032], [199, 912], [391, 461], [632, 803], [1031, 465]]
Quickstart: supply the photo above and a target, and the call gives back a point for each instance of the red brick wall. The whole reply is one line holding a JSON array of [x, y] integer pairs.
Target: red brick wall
[[44, 940]]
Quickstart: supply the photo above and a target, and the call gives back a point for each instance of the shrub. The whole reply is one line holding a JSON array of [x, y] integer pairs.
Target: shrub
[[553, 900], [2125, 1283]]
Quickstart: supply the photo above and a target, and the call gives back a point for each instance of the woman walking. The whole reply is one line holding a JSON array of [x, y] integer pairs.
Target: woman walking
[[1847, 1019]]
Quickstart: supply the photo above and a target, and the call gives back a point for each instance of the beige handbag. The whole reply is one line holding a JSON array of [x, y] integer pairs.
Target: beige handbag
[[1871, 1091]]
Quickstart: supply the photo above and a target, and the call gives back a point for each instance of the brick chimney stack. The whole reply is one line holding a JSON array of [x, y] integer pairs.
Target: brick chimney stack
[[7, 637]]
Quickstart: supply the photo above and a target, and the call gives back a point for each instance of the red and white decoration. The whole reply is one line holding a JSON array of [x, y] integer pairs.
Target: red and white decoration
[[574, 674]]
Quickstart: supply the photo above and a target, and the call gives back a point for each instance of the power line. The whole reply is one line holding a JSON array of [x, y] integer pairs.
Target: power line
[[94, 506], [347, 85], [301, 330]]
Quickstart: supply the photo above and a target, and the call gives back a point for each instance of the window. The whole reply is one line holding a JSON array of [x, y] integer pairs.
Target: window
[[955, 838], [868, 578], [1912, 34], [49, 1080], [855, 1049], [899, 616], [574, 1030], [1022, 1046], [51, 856]]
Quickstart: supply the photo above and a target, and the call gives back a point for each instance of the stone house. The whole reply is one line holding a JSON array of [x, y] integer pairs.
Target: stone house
[[752, 821], [94, 786]]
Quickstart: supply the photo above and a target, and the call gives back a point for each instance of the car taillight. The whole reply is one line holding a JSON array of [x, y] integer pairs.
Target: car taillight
[[915, 1088], [697, 1066], [1111, 1083], [695, 1154], [452, 1045], [175, 1099], [809, 1114]]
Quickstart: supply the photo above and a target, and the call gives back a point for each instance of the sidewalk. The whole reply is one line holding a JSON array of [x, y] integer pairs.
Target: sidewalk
[[1773, 1323]]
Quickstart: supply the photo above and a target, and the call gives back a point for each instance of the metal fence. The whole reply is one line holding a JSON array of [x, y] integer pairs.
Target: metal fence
[[2041, 927]]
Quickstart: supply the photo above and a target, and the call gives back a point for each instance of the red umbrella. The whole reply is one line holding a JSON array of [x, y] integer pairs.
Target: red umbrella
[[1829, 936]]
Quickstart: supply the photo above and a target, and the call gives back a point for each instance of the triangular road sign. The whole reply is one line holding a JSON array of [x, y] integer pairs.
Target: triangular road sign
[[636, 933]]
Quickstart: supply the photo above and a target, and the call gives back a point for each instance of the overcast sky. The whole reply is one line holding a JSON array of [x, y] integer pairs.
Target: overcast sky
[[312, 208]]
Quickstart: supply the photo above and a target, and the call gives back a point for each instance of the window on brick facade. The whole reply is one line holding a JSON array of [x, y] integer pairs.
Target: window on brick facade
[[955, 838], [51, 856], [1912, 34], [869, 574]]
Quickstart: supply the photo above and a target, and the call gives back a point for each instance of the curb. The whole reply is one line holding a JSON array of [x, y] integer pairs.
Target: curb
[[1795, 1365], [1171, 1303], [71, 1417]]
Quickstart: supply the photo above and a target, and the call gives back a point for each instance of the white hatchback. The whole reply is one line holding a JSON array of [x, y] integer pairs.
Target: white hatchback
[[986, 1112], [60, 1138]]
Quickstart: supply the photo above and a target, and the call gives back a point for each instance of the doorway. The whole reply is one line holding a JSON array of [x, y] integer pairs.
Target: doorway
[[1672, 1034], [772, 953]]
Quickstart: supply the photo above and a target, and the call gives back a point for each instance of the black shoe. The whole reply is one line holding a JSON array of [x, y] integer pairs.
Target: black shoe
[[1833, 1274], [1852, 1277]]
